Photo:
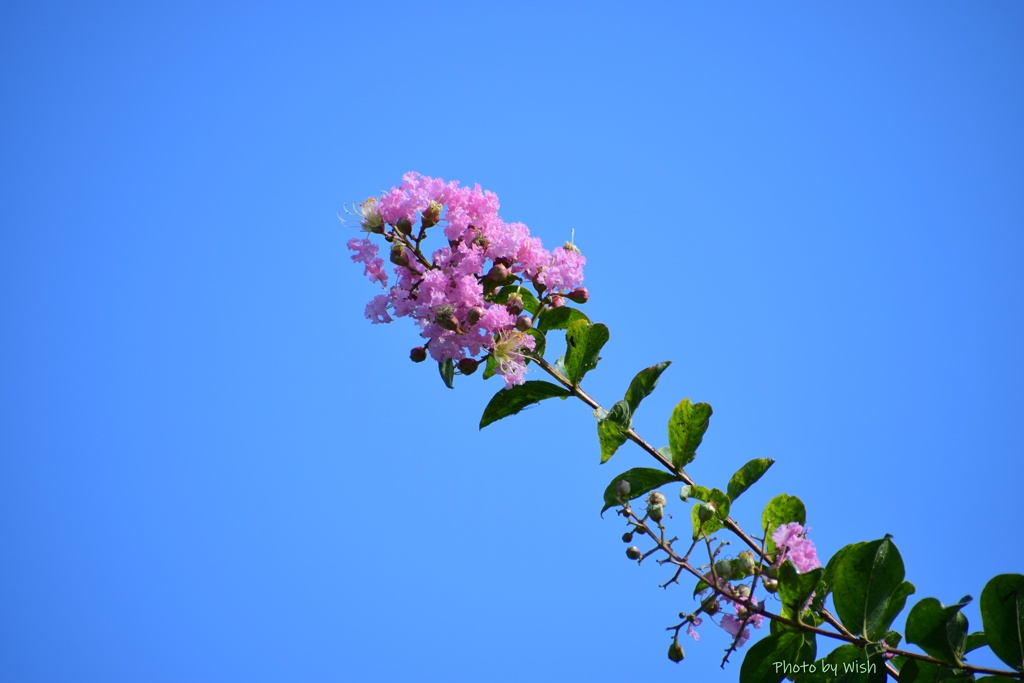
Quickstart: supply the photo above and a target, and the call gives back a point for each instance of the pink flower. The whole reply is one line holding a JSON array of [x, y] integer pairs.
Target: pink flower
[[691, 631], [445, 295], [793, 544], [732, 626]]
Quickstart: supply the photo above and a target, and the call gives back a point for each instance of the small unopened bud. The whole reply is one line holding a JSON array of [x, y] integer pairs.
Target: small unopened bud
[[467, 366], [656, 512], [745, 563], [770, 585], [514, 305], [398, 256], [557, 301], [723, 569], [711, 606], [627, 537], [622, 488], [675, 652], [742, 590], [523, 323], [445, 317], [705, 511], [474, 314], [497, 273], [432, 214], [418, 355], [580, 295], [633, 553], [404, 225]]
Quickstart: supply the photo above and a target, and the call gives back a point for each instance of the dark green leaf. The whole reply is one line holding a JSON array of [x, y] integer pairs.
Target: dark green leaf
[[850, 664], [490, 368], [611, 430], [939, 630], [975, 640], [643, 384], [868, 587], [686, 430], [510, 401], [747, 475], [1002, 614], [795, 588], [782, 509], [996, 679], [583, 343], [541, 343], [641, 480], [530, 302], [917, 671], [770, 659], [559, 318], [447, 368], [715, 496]]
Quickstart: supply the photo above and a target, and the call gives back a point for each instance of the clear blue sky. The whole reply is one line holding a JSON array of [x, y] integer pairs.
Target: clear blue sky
[[214, 469]]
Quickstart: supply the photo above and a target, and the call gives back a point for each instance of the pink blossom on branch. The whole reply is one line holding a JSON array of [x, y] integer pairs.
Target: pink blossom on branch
[[450, 294], [793, 544]]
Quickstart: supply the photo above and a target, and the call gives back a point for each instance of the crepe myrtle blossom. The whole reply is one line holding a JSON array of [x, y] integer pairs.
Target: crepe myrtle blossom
[[456, 293], [793, 544]]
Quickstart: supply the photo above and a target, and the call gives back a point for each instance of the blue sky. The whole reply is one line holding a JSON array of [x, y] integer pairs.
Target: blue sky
[[214, 469]]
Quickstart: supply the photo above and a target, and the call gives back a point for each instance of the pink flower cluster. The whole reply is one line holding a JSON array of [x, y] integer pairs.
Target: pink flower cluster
[[793, 544], [450, 295]]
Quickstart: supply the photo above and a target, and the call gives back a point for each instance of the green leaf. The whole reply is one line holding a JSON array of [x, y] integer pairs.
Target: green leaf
[[559, 318], [1002, 614], [583, 343], [447, 368], [686, 430], [868, 587], [715, 496], [510, 401], [530, 303], [641, 480], [490, 368], [916, 671], [747, 475], [770, 659], [850, 664], [975, 640], [782, 509], [996, 679], [611, 430], [643, 384], [795, 588], [541, 343], [939, 630]]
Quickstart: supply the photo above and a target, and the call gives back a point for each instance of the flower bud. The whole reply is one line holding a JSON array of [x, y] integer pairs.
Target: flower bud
[[398, 256], [557, 301], [515, 305], [467, 366], [705, 511], [675, 652], [656, 512], [445, 317], [404, 225], [432, 214], [723, 569], [580, 295], [656, 498], [523, 323], [627, 537], [633, 553], [742, 590], [498, 273], [770, 585], [418, 355], [622, 488], [745, 563]]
